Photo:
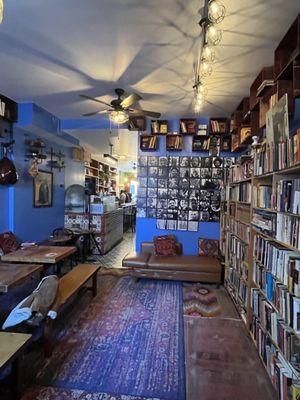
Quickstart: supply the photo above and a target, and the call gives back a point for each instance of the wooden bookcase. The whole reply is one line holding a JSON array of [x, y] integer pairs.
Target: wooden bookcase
[[245, 275], [103, 177]]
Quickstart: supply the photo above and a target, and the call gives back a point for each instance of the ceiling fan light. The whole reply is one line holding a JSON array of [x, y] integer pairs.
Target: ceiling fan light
[[118, 117], [213, 35], [216, 11], [1, 11], [208, 54]]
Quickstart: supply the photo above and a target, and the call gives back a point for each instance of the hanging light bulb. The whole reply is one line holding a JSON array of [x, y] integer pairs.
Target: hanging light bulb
[[1, 11], [205, 69], [201, 90], [216, 11], [197, 108], [213, 35], [208, 54]]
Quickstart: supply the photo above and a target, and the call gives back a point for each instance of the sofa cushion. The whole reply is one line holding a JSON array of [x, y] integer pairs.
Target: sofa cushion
[[185, 263], [164, 246], [148, 247], [136, 260]]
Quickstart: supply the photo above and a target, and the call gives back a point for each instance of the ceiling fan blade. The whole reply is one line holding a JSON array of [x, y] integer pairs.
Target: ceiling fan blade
[[131, 99], [95, 112], [152, 114], [91, 98]]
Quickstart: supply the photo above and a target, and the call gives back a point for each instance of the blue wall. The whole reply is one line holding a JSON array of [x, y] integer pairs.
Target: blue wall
[[146, 227], [17, 211]]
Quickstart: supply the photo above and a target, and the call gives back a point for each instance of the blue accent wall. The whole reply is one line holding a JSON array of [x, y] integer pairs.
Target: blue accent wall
[[146, 227]]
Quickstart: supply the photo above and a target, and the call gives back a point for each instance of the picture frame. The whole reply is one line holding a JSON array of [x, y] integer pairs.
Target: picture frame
[[43, 189]]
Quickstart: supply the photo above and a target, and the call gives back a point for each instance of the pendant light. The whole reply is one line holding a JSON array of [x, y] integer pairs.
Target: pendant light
[[208, 54], [213, 35], [216, 11], [205, 69]]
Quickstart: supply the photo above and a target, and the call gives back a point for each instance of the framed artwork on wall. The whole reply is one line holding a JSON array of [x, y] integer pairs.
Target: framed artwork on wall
[[43, 189]]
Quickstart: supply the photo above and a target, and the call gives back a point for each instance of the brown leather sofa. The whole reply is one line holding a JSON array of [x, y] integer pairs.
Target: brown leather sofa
[[146, 264]]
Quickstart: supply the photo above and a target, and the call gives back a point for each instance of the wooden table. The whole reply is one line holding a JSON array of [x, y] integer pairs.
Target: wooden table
[[12, 346], [39, 254], [13, 274]]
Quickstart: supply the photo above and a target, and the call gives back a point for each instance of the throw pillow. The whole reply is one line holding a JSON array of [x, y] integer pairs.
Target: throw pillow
[[8, 242], [208, 247], [164, 245]]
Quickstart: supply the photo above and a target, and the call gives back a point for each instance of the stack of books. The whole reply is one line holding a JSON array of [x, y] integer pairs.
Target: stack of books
[[288, 230], [288, 196], [262, 196], [241, 192], [265, 222]]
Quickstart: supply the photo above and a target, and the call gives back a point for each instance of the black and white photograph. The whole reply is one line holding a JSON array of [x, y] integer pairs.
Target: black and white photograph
[[173, 172], [195, 183], [163, 172], [162, 203], [182, 225], [152, 182], [163, 161], [195, 162], [174, 161], [153, 161], [173, 193], [183, 215], [151, 212], [193, 205], [184, 193], [204, 216], [172, 214], [162, 193], [204, 205], [141, 202], [153, 171], [183, 204], [184, 183], [184, 173], [152, 192], [141, 212], [194, 194], [172, 204], [161, 213], [195, 173], [142, 171], [151, 202], [143, 161], [184, 162], [193, 215], [161, 224], [171, 225], [217, 162], [142, 192], [193, 226], [217, 173], [162, 183], [173, 183], [142, 182], [205, 173], [206, 162]]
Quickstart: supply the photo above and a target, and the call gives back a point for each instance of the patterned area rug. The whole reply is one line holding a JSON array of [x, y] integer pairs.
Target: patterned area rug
[[130, 343], [200, 300], [51, 393]]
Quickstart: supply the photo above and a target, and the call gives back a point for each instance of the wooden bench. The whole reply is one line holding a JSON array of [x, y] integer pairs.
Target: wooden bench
[[69, 285]]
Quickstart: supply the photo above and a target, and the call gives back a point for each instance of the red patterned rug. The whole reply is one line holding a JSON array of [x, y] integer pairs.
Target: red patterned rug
[[200, 300]]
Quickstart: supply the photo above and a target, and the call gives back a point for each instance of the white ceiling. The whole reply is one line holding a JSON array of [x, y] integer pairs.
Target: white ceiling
[[50, 51]]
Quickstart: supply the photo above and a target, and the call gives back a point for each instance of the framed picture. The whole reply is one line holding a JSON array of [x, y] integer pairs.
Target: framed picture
[[43, 189]]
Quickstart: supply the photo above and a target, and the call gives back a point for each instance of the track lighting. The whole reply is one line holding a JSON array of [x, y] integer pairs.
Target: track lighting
[[213, 35], [216, 11]]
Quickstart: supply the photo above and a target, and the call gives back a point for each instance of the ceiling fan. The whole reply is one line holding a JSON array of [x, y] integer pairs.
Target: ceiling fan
[[120, 109]]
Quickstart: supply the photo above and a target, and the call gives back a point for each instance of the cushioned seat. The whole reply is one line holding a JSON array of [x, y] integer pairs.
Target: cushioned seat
[[136, 260], [185, 263]]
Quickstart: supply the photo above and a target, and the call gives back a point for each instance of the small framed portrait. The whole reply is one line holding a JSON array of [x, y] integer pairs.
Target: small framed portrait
[[152, 171], [152, 161], [174, 172], [172, 204], [204, 195], [161, 213], [193, 215], [163, 161], [204, 205], [43, 189], [174, 161], [184, 193], [193, 205], [173, 193], [173, 183], [206, 162], [214, 216], [207, 184], [182, 225], [141, 202], [162, 203], [217, 173], [194, 194], [183, 215], [172, 215], [217, 162], [152, 192], [141, 212], [195, 183], [142, 171], [151, 213], [151, 202], [184, 183], [195, 172], [171, 224], [142, 192], [195, 162], [184, 162], [193, 226], [204, 216], [216, 184], [161, 224], [228, 162], [162, 183], [205, 173], [152, 182], [183, 204], [162, 193], [143, 161], [184, 173], [163, 172], [142, 182]]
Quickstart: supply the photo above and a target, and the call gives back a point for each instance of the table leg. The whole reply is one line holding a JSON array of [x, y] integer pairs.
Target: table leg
[[17, 379]]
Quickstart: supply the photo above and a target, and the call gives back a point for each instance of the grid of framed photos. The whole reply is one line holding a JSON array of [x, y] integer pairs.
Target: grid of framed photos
[[180, 191]]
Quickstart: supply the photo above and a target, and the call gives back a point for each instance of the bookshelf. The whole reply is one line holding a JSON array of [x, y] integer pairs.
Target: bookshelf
[[260, 243], [102, 177]]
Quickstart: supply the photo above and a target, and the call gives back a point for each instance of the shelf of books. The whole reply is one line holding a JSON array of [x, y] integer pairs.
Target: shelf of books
[[261, 246]]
